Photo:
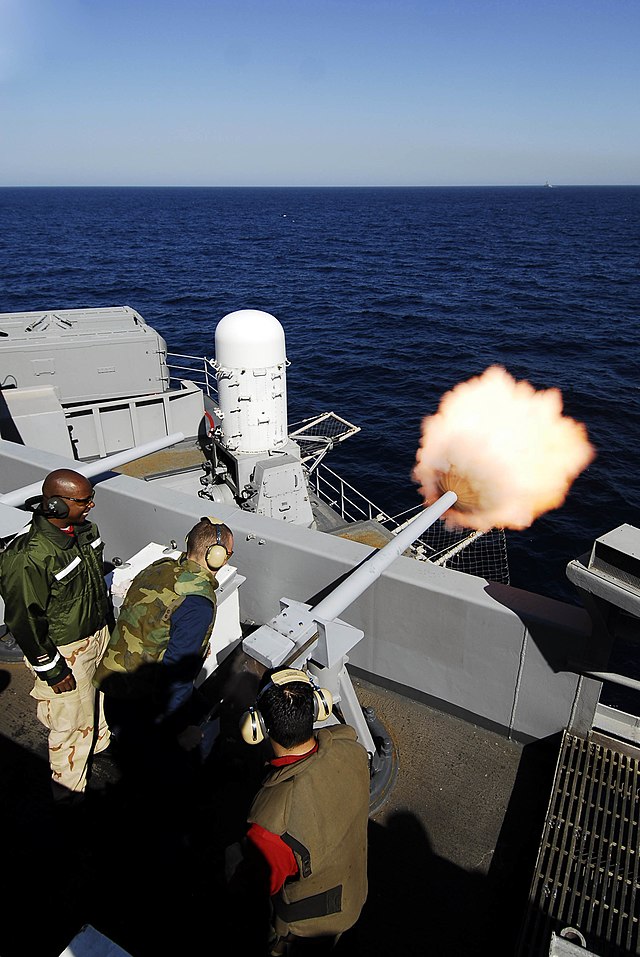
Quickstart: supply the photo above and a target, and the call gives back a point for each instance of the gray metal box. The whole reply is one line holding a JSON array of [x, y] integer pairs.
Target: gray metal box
[[617, 556], [87, 354]]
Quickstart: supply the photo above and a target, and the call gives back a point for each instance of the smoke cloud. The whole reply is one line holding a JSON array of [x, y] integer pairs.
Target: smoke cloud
[[505, 449]]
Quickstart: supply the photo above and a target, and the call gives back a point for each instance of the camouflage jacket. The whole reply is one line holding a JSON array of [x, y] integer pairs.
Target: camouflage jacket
[[142, 632], [54, 592]]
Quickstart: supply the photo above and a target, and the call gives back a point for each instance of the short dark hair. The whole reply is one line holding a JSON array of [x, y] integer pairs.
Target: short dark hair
[[204, 534], [287, 710]]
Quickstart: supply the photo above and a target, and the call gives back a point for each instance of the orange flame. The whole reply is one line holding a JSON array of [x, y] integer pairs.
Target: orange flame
[[505, 449]]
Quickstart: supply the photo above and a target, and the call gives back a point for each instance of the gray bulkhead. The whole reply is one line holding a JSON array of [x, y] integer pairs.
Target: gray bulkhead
[[494, 654], [89, 382]]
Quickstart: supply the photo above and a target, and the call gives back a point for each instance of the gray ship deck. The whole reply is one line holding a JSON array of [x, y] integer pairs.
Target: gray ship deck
[[451, 851]]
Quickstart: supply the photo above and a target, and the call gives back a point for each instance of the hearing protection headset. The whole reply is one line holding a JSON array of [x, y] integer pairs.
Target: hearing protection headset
[[55, 507], [216, 555], [252, 725]]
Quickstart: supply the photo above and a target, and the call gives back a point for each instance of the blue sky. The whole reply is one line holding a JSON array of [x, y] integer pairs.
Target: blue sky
[[319, 92]]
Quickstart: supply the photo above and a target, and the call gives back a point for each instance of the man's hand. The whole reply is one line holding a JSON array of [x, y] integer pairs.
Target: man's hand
[[67, 684]]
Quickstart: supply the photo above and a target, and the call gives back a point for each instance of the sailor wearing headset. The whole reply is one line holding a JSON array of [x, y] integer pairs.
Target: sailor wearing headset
[[57, 607], [308, 823], [161, 637]]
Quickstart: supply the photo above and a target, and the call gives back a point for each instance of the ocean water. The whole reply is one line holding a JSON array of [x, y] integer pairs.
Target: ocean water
[[388, 298]]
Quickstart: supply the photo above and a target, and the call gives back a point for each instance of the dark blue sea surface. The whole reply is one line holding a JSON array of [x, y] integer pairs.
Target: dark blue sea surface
[[388, 298]]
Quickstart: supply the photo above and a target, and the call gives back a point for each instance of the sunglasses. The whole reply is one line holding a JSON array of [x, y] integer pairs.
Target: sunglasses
[[80, 501]]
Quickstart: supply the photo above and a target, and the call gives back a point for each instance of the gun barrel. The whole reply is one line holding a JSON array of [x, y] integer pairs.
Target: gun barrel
[[352, 587], [89, 469]]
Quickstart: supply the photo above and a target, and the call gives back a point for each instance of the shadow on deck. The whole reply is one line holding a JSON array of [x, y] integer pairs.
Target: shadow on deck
[[450, 854]]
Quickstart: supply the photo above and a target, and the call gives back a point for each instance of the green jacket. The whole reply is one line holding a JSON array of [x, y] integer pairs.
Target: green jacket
[[320, 807], [142, 631], [54, 591]]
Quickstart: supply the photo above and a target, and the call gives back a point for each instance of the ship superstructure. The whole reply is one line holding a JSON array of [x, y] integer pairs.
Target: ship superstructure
[[521, 666]]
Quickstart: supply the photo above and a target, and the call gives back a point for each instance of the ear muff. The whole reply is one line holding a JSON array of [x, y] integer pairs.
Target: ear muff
[[323, 704], [216, 555], [55, 507], [252, 725]]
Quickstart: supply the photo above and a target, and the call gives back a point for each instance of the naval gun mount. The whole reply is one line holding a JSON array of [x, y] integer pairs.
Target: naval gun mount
[[316, 640], [251, 459]]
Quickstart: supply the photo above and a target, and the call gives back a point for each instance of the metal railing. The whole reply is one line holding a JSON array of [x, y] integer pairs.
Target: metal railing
[[351, 504], [475, 553], [198, 369]]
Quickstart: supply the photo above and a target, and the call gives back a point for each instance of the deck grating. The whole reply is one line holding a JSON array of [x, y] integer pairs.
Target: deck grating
[[587, 874]]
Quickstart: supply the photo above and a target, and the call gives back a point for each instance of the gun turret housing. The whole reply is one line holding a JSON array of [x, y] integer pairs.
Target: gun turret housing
[[253, 460]]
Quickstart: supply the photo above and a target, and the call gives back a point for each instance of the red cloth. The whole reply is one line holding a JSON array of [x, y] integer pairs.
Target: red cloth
[[278, 855], [292, 758]]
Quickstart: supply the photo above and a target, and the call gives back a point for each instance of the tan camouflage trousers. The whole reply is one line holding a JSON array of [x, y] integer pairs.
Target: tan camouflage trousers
[[71, 717]]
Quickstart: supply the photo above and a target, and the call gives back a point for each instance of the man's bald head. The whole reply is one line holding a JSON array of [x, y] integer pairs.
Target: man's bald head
[[66, 482], [76, 493]]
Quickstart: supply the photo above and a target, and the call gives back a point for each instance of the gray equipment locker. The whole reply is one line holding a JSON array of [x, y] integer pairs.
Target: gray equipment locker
[[86, 354]]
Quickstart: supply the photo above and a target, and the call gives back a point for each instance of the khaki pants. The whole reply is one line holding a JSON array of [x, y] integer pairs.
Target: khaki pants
[[75, 719]]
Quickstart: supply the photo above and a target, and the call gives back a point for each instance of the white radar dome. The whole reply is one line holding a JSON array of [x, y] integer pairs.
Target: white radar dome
[[251, 368], [249, 339]]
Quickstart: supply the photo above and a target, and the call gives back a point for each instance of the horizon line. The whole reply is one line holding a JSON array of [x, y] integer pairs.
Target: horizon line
[[541, 185]]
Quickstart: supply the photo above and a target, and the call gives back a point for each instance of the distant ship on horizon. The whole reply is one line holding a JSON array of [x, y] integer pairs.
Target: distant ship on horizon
[[548, 185]]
